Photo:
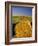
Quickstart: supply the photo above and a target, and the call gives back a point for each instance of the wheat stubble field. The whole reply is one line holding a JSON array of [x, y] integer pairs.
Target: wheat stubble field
[[22, 26]]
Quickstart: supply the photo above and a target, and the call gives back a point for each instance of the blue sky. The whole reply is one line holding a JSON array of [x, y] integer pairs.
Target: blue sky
[[22, 11]]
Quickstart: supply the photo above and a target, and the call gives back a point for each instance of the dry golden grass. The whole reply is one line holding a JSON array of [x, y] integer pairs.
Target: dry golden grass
[[23, 29]]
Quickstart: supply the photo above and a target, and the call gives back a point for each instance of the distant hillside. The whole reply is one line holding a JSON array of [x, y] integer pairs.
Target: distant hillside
[[16, 19]]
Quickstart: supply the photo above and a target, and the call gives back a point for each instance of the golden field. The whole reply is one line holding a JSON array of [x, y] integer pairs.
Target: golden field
[[23, 27]]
